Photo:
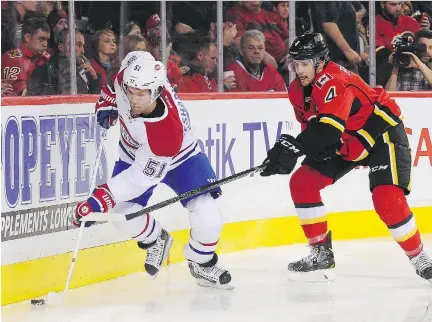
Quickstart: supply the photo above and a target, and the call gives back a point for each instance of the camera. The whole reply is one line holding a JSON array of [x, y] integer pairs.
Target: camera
[[405, 45]]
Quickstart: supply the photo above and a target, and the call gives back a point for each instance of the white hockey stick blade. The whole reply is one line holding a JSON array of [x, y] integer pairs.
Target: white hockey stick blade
[[55, 299]]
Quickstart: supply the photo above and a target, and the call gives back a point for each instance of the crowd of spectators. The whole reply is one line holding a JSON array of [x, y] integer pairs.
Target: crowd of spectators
[[36, 43]]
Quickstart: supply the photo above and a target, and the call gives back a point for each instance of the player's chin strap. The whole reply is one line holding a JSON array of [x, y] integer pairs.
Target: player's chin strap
[[207, 188]]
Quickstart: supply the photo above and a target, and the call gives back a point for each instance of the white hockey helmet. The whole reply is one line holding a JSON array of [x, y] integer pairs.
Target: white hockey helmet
[[142, 71]]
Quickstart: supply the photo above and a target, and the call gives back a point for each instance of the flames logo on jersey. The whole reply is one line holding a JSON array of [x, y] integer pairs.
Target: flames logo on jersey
[[407, 36], [15, 53]]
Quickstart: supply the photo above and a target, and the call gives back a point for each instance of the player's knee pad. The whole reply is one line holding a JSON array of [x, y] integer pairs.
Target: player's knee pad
[[305, 185], [205, 219], [390, 204], [143, 228], [206, 223]]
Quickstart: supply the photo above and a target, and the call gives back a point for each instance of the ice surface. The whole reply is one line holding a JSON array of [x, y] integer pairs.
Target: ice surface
[[375, 282]]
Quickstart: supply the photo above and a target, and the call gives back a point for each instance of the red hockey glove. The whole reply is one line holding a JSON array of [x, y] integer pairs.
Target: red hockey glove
[[100, 201], [106, 108]]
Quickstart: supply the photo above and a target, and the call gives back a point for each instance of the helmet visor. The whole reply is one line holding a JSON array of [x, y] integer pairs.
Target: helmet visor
[[297, 65]]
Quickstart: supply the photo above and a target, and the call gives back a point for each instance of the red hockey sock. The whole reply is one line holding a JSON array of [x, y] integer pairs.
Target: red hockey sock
[[305, 185], [391, 205]]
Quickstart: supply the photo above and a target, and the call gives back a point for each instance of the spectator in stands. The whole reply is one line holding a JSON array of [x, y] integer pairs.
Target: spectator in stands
[[201, 76], [282, 9], [104, 47], [363, 40], [417, 75], [129, 43], [87, 79], [132, 28], [192, 17], [249, 15], [18, 64], [46, 7], [251, 73], [230, 51], [58, 20], [390, 27], [12, 21], [134, 42], [336, 20], [174, 71]]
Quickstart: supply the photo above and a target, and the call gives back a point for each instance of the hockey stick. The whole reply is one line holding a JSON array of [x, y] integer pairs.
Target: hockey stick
[[162, 204], [54, 298]]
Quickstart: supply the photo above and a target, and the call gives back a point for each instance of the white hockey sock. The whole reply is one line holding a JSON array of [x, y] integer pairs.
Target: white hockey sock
[[144, 228], [206, 225]]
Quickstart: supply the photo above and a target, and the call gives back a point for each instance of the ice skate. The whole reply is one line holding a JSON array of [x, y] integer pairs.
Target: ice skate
[[157, 252], [210, 275], [320, 259], [423, 265]]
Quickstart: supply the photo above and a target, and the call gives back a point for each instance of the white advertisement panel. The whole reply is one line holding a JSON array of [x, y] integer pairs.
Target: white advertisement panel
[[48, 155]]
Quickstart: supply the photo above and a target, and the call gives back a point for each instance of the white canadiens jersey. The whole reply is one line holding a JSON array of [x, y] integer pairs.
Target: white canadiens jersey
[[153, 146]]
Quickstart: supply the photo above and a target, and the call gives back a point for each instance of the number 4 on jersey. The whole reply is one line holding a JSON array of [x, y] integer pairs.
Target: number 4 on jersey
[[331, 94]]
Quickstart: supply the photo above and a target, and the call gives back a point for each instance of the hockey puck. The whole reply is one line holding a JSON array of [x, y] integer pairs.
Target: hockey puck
[[40, 302]]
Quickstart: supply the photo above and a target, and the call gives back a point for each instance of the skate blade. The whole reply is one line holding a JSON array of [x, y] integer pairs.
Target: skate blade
[[165, 256], [324, 276], [203, 283]]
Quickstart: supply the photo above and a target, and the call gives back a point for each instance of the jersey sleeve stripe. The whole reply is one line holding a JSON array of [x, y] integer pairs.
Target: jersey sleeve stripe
[[333, 122], [367, 137], [384, 116]]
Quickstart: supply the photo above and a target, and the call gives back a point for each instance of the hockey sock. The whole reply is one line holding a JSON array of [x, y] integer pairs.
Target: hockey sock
[[391, 205], [305, 185]]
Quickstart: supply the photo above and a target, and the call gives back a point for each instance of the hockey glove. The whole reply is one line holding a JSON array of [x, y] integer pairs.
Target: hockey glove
[[106, 108], [282, 158], [329, 152], [353, 150], [100, 201]]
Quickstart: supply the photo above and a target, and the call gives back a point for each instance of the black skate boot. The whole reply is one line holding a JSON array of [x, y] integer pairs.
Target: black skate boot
[[423, 265], [157, 252], [210, 275], [320, 258]]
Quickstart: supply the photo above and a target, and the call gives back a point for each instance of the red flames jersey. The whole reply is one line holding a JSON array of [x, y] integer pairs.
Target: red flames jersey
[[387, 33], [269, 80], [343, 100], [17, 66]]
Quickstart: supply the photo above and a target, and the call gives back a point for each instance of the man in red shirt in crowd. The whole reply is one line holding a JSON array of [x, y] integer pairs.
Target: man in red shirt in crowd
[[252, 74], [19, 63], [200, 78], [391, 27], [249, 15]]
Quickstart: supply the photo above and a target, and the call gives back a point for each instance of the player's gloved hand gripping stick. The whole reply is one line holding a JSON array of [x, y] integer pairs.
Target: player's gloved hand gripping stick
[[117, 217]]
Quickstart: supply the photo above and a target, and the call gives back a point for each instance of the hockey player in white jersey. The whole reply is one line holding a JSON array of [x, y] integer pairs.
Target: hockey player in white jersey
[[157, 145]]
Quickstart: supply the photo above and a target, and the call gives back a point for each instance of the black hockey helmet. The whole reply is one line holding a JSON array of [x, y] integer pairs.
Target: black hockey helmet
[[310, 45]]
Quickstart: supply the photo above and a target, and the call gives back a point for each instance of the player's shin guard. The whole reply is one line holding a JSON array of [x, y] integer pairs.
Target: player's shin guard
[[305, 185], [391, 205], [206, 225]]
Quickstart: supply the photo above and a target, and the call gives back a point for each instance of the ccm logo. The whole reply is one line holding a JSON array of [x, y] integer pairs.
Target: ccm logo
[[289, 145], [378, 168]]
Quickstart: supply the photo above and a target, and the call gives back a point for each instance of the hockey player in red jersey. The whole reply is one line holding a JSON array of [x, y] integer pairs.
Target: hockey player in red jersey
[[345, 123]]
